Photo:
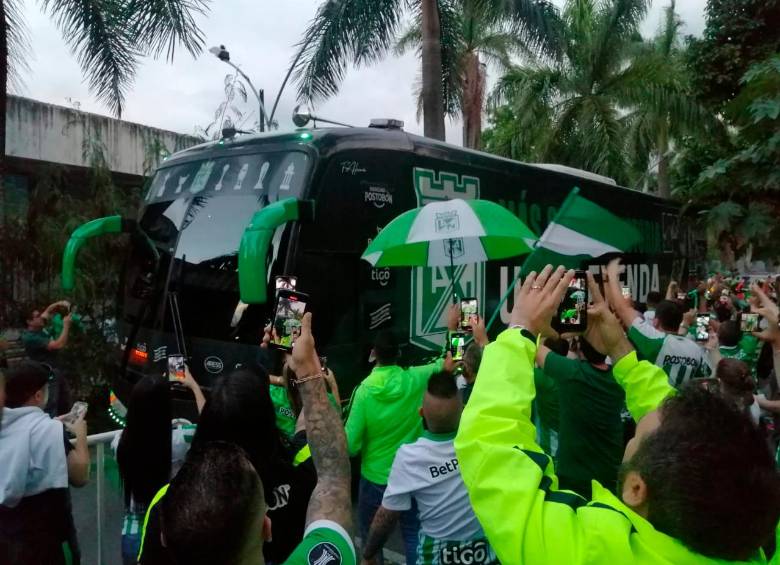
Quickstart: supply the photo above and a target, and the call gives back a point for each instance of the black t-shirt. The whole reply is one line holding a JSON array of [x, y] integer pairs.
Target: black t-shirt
[[287, 492]]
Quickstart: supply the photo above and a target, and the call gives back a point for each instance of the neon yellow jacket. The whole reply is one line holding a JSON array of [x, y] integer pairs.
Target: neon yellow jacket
[[512, 483]]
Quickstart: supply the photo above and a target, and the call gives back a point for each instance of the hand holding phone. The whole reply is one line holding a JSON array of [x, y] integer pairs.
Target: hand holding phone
[[702, 328], [749, 323], [458, 345], [469, 307], [290, 308], [78, 411], [176, 368], [572, 315]]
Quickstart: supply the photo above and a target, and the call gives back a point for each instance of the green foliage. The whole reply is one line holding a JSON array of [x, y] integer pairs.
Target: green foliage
[[359, 32], [738, 33], [32, 253]]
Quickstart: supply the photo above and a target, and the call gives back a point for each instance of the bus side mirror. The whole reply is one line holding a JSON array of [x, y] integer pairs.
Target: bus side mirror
[[252, 254], [93, 228]]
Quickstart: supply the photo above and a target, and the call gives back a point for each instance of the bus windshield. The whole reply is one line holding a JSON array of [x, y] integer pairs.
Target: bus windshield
[[197, 224]]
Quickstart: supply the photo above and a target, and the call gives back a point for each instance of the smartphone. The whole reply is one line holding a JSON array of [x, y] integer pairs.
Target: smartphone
[[749, 322], [290, 308], [324, 363], [175, 368], [702, 328], [78, 410], [468, 307], [682, 297], [626, 292], [458, 345], [572, 315], [286, 283]]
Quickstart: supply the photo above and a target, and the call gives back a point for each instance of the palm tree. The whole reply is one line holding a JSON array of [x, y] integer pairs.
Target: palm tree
[[579, 111], [362, 31], [473, 36], [671, 112], [109, 37]]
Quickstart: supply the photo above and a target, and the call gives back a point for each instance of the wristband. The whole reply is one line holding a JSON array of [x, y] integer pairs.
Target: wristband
[[524, 332], [320, 375]]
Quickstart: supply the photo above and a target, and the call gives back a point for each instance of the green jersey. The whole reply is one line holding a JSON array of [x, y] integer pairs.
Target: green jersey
[[680, 357], [748, 349], [324, 543]]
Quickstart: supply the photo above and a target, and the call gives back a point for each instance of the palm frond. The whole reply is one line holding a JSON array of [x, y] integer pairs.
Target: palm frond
[[617, 24], [669, 34], [158, 26], [98, 34], [411, 39], [17, 35], [343, 32], [537, 22]]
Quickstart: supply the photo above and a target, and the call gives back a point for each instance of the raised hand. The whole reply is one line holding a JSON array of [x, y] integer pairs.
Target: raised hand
[[604, 331], [304, 360], [537, 300], [479, 330]]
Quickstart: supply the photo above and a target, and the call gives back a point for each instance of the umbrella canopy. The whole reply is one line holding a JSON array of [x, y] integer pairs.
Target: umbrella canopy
[[452, 232]]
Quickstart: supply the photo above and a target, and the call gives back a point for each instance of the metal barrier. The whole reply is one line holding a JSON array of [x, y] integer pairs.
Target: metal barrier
[[99, 442]]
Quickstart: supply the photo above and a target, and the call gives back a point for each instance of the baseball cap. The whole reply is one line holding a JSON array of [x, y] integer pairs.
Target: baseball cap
[[24, 381]]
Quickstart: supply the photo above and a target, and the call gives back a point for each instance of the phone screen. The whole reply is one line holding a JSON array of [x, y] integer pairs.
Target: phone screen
[[176, 368], [290, 308], [78, 410], [749, 322], [681, 296], [573, 312], [457, 345], [626, 292], [286, 283], [702, 328], [468, 307]]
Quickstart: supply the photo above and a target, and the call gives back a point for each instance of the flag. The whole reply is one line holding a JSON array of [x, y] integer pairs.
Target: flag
[[581, 231]]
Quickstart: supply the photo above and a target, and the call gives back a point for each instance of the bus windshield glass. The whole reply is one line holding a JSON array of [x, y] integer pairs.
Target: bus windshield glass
[[195, 215]]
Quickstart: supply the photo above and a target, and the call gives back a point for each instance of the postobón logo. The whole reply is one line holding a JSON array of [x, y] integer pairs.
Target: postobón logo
[[379, 196], [324, 554]]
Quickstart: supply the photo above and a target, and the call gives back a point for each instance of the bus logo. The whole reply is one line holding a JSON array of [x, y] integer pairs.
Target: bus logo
[[431, 287]]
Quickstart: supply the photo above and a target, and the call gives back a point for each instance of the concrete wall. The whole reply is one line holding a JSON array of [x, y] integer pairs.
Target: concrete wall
[[45, 132]]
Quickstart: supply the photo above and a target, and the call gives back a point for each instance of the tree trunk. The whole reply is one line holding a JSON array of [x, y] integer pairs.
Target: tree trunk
[[664, 188], [5, 273], [432, 93], [473, 100]]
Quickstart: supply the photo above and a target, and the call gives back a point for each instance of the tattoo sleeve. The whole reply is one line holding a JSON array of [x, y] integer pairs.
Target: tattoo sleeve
[[331, 499], [381, 528]]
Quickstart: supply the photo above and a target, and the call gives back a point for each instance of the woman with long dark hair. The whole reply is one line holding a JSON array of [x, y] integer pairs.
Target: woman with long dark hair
[[150, 450], [240, 411]]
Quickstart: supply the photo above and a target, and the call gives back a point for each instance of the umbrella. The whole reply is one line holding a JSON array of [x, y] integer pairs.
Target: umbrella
[[449, 233]]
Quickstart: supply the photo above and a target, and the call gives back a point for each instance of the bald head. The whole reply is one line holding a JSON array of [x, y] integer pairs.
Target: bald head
[[442, 404]]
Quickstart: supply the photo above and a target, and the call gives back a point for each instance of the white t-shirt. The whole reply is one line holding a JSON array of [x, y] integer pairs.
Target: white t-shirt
[[650, 316], [427, 470]]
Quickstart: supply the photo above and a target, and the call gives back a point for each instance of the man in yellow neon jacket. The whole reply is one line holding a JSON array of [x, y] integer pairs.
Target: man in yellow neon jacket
[[730, 511]]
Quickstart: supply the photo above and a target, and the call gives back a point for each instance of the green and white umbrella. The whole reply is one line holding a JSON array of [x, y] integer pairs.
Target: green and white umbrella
[[448, 233]]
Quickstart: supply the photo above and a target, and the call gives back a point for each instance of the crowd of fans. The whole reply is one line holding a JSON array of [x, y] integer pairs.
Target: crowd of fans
[[649, 438]]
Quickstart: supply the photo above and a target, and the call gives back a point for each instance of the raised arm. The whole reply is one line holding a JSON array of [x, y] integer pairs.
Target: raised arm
[[769, 310], [622, 307], [646, 385], [192, 384], [330, 499], [511, 482], [62, 341]]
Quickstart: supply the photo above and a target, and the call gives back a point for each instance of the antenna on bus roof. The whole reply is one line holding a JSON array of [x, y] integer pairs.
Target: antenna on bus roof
[[301, 119]]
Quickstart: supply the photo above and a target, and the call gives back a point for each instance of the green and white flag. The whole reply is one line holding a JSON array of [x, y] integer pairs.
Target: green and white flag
[[580, 231]]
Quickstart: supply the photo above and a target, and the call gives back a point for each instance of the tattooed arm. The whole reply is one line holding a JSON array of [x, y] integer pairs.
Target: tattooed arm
[[381, 528], [331, 499]]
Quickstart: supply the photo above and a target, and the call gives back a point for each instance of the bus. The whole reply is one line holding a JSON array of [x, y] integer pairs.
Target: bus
[[220, 221]]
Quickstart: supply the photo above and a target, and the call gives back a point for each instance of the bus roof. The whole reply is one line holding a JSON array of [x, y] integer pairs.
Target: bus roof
[[330, 140]]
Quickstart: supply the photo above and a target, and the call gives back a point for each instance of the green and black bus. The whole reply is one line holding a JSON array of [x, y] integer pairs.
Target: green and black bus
[[221, 220]]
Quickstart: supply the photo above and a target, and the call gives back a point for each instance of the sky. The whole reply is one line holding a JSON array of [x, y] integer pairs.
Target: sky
[[260, 36]]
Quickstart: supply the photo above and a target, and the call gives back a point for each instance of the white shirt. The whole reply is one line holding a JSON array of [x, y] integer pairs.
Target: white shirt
[[428, 471], [650, 316]]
